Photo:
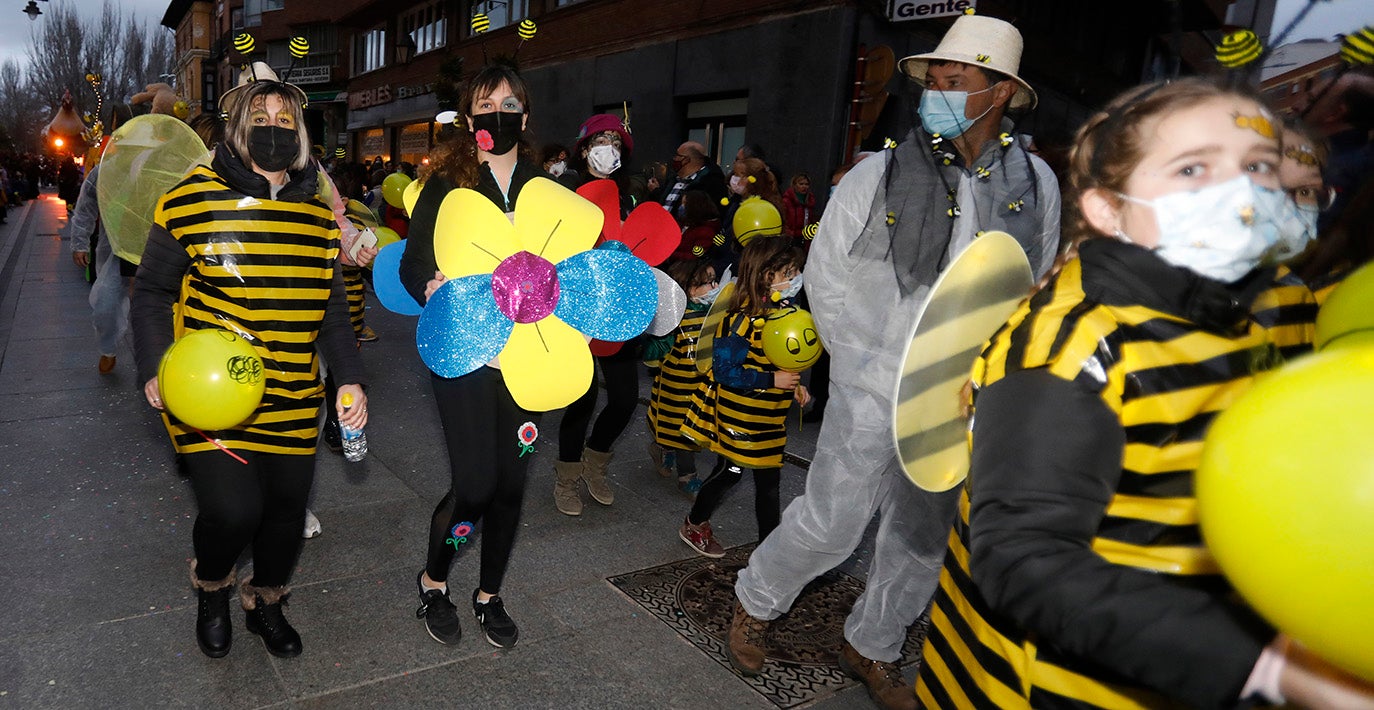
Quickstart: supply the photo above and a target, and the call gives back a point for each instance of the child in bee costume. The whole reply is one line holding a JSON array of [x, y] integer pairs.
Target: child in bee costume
[[740, 408], [896, 220]]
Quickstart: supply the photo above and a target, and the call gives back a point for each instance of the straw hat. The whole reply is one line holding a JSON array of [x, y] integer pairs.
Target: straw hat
[[981, 41], [257, 71]]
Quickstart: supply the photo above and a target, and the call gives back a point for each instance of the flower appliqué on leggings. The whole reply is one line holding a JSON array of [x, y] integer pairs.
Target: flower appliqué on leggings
[[459, 533], [527, 435]]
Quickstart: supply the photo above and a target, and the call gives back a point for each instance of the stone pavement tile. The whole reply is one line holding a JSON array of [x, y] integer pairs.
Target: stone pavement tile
[[556, 562], [124, 552], [363, 628], [94, 399], [340, 484], [75, 375], [657, 668], [556, 673], [39, 456], [366, 539], [141, 662], [589, 605]]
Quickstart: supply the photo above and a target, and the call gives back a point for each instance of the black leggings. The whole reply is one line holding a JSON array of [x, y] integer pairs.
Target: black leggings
[[724, 477], [262, 504], [481, 426], [621, 374]]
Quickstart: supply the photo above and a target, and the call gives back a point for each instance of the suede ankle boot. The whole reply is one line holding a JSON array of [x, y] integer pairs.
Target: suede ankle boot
[[263, 606], [214, 628], [594, 465], [565, 493]]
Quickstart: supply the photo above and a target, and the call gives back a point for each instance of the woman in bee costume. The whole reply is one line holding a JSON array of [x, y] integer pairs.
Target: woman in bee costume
[[1076, 576], [245, 245]]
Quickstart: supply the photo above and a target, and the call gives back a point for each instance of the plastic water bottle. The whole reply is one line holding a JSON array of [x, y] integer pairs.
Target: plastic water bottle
[[354, 440]]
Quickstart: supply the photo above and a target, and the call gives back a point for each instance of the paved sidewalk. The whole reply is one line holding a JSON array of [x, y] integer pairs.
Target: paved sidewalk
[[95, 537]]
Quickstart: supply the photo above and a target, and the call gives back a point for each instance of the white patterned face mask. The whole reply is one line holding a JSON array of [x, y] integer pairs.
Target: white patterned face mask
[[604, 159], [1221, 231]]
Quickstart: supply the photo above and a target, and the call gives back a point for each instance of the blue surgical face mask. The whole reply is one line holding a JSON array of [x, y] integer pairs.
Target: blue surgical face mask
[[942, 112], [709, 297], [1221, 231], [788, 290], [1297, 229]]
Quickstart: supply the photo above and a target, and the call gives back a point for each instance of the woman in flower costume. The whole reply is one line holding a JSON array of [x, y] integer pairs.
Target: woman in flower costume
[[500, 257]]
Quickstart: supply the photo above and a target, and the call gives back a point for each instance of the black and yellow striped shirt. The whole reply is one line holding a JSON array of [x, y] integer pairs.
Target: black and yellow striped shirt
[[1163, 378], [264, 269], [748, 427], [677, 379]]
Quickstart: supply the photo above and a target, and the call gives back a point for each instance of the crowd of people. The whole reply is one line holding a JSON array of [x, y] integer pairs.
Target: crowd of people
[[1195, 224]]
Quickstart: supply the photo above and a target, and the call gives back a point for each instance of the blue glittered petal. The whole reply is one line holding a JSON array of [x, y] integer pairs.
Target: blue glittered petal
[[461, 329], [386, 281], [607, 294]]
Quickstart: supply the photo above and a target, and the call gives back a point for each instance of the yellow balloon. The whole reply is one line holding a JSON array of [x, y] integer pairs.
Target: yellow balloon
[[790, 341], [393, 186], [211, 379], [756, 217], [1285, 495], [1349, 308], [410, 196], [385, 236]]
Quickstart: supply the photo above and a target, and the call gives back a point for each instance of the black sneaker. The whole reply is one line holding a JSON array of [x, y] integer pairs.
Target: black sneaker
[[440, 615], [497, 625], [332, 439]]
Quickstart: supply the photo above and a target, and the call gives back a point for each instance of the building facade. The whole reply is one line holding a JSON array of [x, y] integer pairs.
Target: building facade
[[779, 73]]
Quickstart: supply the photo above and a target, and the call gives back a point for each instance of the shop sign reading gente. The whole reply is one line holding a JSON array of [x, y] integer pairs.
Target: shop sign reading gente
[[899, 10]]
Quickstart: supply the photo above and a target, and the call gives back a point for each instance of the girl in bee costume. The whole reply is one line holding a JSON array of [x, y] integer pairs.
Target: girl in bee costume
[[245, 245], [677, 378], [739, 412], [1075, 575]]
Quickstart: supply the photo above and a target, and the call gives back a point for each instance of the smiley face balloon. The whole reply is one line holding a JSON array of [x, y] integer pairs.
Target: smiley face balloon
[[790, 340]]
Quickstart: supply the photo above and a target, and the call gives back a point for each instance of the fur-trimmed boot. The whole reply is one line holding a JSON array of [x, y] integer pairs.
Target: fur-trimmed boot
[[594, 465], [565, 494], [214, 628], [263, 606]]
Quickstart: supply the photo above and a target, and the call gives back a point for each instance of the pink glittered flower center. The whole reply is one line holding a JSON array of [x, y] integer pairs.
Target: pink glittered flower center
[[525, 287], [484, 140]]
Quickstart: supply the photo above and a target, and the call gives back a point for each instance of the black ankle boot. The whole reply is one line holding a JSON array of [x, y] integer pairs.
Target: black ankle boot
[[214, 628], [263, 606]]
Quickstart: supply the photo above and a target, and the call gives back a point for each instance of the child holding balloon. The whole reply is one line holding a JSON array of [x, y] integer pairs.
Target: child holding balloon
[[677, 376], [1076, 575], [739, 410]]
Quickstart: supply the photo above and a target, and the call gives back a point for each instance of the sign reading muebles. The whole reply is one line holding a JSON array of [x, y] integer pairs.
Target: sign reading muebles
[[900, 10], [384, 94]]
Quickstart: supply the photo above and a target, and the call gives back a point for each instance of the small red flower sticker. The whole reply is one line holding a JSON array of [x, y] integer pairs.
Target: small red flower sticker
[[484, 140]]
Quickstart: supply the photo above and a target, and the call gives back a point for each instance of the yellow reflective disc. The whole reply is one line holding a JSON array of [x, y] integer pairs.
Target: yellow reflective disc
[[972, 298]]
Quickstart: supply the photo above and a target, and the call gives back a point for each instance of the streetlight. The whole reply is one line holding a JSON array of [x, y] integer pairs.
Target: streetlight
[[405, 48], [32, 10]]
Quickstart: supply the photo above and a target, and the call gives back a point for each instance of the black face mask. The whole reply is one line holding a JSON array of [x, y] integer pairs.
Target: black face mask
[[502, 126], [273, 148]]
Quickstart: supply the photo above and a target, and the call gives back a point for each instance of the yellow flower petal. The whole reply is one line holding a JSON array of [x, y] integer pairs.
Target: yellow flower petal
[[546, 365], [471, 235], [555, 222]]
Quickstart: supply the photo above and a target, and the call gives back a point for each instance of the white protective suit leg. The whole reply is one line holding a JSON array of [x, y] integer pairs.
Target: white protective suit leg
[[821, 528], [913, 532], [109, 300]]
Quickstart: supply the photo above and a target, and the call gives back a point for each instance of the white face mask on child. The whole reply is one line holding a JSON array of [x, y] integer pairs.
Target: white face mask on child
[[558, 168], [788, 290], [709, 297]]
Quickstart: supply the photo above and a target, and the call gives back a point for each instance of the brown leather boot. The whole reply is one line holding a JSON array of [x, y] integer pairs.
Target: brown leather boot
[[886, 686], [746, 642], [565, 492], [594, 465]]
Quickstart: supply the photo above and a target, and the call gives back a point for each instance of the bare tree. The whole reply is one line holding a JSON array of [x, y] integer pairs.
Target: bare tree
[[128, 52]]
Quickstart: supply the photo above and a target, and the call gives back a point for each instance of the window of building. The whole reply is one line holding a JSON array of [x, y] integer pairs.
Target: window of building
[[253, 9], [369, 50], [372, 143], [426, 26], [719, 125], [502, 12], [414, 143]]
